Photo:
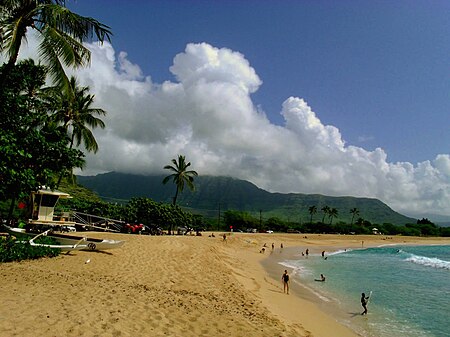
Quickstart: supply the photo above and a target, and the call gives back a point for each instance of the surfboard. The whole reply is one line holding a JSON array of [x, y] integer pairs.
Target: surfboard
[[370, 296]]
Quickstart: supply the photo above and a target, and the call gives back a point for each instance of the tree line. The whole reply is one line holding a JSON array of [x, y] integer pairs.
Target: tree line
[[42, 126], [241, 221]]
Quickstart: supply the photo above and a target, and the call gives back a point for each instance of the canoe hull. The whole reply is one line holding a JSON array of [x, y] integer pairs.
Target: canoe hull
[[69, 242]]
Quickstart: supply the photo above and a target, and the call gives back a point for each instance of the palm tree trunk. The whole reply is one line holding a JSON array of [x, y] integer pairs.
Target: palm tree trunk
[[175, 197], [62, 172]]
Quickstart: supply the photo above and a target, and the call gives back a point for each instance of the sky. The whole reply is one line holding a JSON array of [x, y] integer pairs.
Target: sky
[[330, 97]]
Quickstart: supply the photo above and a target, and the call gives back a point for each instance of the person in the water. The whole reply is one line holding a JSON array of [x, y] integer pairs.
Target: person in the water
[[364, 301]]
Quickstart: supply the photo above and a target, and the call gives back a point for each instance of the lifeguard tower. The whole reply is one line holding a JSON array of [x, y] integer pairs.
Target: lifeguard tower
[[43, 204]]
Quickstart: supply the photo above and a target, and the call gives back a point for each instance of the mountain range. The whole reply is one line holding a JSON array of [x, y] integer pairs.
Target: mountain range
[[214, 195]]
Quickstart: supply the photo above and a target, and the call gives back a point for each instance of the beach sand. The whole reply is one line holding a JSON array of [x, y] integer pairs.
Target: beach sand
[[172, 286]]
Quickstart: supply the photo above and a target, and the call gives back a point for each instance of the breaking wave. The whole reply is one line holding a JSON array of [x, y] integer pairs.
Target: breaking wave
[[429, 261]]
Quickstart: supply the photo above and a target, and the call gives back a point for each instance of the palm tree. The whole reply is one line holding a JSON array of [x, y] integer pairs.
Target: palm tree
[[333, 213], [312, 210], [61, 32], [325, 210], [76, 114], [180, 176], [354, 212]]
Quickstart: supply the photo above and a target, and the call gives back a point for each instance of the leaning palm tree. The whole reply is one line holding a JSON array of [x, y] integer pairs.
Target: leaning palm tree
[[312, 210], [180, 176], [61, 33], [354, 212]]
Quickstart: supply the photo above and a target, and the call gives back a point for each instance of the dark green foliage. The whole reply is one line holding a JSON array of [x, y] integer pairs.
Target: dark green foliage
[[240, 220], [240, 195], [12, 250], [137, 210], [445, 231], [33, 149], [276, 225], [424, 221], [149, 212]]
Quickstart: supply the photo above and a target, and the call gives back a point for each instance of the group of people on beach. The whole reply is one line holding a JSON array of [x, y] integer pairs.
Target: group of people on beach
[[263, 249]]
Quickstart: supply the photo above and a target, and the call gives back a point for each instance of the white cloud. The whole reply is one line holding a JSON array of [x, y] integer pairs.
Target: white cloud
[[208, 115]]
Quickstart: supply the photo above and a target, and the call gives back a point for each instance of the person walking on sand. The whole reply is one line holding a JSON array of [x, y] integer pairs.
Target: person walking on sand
[[364, 301], [285, 280]]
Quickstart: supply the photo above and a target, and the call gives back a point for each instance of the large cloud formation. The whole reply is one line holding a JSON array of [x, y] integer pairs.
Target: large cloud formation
[[207, 114]]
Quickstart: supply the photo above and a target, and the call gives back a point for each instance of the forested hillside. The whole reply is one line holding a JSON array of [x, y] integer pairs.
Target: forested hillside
[[224, 193]]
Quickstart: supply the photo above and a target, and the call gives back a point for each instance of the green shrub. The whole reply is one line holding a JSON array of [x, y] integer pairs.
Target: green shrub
[[14, 250]]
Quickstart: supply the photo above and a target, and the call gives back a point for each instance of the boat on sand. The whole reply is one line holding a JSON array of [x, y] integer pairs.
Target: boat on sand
[[67, 242], [43, 222]]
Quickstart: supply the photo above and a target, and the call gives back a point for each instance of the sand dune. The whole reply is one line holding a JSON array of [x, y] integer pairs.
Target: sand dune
[[164, 286]]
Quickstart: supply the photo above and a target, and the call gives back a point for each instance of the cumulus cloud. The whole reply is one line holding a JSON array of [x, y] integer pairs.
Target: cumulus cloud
[[208, 115]]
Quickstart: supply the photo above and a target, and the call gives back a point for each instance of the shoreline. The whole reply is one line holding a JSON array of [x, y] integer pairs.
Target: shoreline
[[171, 286], [273, 266]]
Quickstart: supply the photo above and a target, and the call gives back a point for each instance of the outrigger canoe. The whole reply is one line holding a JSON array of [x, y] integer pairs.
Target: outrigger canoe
[[69, 242]]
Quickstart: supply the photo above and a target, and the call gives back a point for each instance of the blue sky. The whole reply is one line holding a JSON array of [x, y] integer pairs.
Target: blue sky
[[377, 70], [329, 97]]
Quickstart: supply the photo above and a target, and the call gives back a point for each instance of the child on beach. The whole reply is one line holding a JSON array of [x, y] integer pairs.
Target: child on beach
[[285, 280]]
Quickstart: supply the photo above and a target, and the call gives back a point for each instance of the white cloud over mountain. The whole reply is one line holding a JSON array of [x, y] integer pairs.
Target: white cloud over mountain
[[207, 114]]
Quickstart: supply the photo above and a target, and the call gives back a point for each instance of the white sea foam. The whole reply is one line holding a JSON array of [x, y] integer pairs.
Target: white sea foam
[[429, 261], [341, 251], [294, 266]]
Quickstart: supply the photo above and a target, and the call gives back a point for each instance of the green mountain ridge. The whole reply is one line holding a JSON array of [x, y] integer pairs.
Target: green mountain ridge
[[218, 194]]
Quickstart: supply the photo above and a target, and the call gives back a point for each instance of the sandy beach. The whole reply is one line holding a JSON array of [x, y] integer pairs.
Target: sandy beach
[[172, 286]]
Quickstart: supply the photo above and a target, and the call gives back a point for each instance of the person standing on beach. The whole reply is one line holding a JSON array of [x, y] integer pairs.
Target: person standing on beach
[[285, 280], [364, 301]]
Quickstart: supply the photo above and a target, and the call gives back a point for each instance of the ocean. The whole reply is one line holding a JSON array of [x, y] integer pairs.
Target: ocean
[[409, 287]]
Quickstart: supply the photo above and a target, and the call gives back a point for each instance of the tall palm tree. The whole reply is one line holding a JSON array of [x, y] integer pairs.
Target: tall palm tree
[[333, 213], [180, 176], [325, 210], [354, 212], [61, 33], [312, 210], [76, 114]]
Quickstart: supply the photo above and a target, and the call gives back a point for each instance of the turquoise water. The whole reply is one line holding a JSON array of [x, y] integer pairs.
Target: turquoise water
[[410, 288]]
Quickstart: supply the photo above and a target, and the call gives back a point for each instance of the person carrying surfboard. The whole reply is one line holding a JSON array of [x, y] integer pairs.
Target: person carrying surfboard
[[364, 301]]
